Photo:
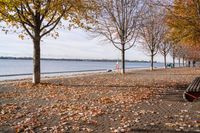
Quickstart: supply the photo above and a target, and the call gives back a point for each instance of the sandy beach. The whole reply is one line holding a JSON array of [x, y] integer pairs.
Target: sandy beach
[[140, 101]]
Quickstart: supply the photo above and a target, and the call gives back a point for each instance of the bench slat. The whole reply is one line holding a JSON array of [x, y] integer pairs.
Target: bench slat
[[193, 90], [197, 88], [194, 86]]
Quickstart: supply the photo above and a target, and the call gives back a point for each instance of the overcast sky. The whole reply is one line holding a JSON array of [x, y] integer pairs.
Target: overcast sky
[[76, 44]]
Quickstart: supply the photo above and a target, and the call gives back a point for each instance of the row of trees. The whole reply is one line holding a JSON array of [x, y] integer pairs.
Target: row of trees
[[172, 27], [183, 19], [121, 22]]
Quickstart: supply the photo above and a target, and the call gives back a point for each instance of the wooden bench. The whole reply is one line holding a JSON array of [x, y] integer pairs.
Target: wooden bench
[[193, 91]]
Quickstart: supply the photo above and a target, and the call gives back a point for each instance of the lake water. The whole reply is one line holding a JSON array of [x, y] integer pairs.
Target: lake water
[[13, 69]]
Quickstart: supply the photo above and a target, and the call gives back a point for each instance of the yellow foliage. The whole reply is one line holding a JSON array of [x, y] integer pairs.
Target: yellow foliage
[[184, 20], [44, 15]]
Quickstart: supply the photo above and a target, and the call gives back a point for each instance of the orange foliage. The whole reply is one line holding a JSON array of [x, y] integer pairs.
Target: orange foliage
[[183, 19]]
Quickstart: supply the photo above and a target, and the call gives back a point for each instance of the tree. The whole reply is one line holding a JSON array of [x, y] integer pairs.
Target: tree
[[173, 52], [192, 53], [184, 20], [152, 32], [180, 54], [118, 22], [164, 49], [38, 18]]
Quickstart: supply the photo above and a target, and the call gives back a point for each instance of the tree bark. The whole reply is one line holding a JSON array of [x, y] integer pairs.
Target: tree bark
[[179, 62], [173, 61], [123, 59], [188, 63], [165, 61], [152, 62], [193, 63], [36, 60]]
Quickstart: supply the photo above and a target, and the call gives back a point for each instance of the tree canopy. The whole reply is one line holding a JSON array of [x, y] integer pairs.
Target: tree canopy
[[43, 13], [118, 21], [184, 20], [38, 18]]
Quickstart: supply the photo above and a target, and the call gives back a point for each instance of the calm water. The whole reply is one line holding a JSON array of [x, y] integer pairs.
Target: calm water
[[12, 69]]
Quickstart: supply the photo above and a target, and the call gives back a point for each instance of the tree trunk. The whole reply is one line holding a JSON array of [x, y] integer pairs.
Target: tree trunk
[[183, 62], [193, 63], [165, 61], [188, 63], [36, 61], [152, 62], [173, 61], [123, 60], [179, 62]]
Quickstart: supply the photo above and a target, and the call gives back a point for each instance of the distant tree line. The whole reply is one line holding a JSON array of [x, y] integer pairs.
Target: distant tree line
[[63, 59]]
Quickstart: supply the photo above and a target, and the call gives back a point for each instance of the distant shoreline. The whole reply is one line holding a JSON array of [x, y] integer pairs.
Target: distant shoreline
[[67, 74], [63, 59]]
